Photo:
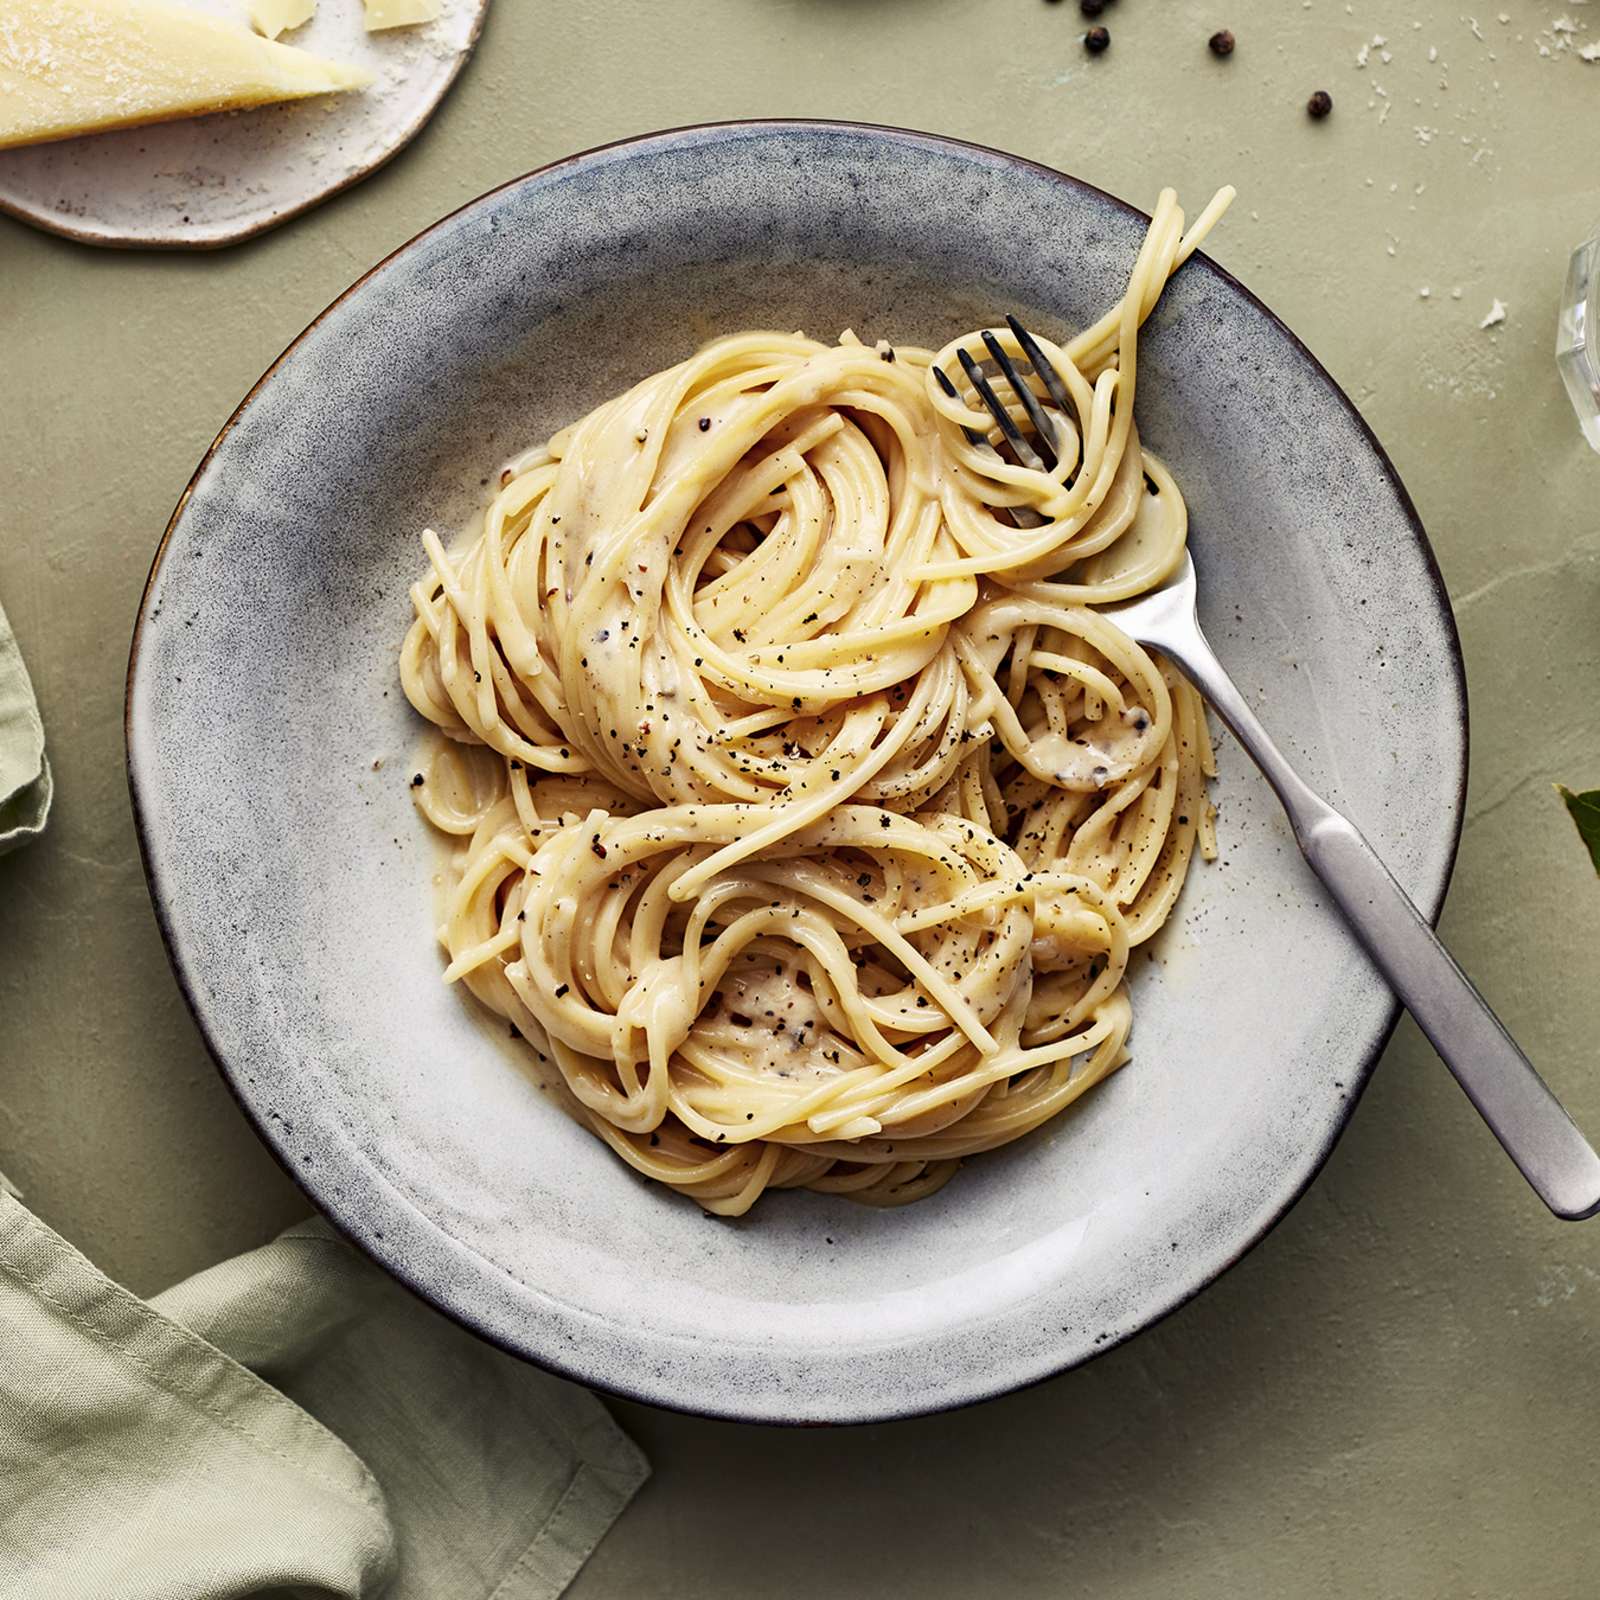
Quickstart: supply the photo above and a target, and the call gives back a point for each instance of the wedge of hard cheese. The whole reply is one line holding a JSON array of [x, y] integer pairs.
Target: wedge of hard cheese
[[83, 66]]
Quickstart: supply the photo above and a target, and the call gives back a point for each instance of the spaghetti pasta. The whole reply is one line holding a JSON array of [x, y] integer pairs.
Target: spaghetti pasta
[[808, 808]]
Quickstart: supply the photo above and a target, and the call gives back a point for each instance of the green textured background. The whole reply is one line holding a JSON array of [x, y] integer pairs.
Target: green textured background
[[1399, 1392]]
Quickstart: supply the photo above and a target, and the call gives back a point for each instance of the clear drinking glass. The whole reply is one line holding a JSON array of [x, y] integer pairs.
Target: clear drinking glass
[[1578, 337]]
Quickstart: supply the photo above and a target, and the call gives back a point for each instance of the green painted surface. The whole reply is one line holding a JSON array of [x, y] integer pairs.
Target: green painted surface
[[1399, 1392]]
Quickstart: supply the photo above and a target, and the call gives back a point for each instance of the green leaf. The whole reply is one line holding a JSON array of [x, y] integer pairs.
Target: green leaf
[[1585, 812]]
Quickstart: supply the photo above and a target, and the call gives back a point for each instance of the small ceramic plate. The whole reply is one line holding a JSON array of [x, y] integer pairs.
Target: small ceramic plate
[[207, 181], [270, 750]]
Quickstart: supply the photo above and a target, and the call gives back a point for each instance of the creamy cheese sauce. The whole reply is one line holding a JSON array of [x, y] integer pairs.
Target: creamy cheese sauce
[[809, 808]]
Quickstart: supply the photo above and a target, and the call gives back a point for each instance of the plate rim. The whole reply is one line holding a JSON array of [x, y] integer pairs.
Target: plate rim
[[111, 239], [1431, 905]]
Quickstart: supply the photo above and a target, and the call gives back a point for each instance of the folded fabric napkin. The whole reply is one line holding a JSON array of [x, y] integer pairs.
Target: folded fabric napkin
[[291, 1421], [24, 773]]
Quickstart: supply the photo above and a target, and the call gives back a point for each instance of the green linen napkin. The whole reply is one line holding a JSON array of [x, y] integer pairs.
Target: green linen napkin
[[24, 772], [289, 1422]]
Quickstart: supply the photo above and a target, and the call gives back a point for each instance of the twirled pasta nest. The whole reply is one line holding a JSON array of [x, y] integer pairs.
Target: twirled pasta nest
[[808, 808]]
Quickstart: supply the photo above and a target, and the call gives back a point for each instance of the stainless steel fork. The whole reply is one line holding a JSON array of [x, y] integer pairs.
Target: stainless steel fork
[[1501, 1082]]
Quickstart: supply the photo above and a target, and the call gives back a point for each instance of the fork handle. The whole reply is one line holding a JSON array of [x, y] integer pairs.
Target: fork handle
[[1527, 1119]]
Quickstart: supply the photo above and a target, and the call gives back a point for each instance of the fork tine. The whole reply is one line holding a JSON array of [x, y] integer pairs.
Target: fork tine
[[973, 436], [996, 409], [1042, 426], [1040, 363]]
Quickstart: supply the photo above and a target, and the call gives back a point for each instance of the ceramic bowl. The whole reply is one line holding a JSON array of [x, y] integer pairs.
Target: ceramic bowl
[[270, 749]]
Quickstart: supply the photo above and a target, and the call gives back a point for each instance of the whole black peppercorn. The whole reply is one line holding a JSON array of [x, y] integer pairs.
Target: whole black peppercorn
[[1221, 43], [1320, 104], [1091, 8], [1097, 40]]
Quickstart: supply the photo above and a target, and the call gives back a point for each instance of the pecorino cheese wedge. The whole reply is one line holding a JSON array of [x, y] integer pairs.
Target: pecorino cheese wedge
[[69, 67]]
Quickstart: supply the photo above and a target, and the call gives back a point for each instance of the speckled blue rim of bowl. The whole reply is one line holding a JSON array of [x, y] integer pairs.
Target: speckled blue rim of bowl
[[560, 1280]]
